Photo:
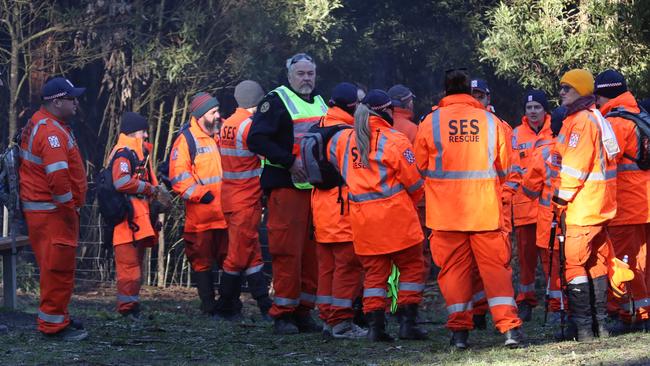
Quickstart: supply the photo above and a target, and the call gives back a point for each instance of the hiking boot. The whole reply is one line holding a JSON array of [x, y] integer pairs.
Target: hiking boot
[[259, 290], [581, 311], [618, 327], [228, 306], [377, 330], [408, 328], [76, 324], [327, 331], [284, 326], [348, 330], [69, 334], [359, 318], [480, 321], [525, 311], [569, 333], [599, 309], [459, 339], [264, 304], [514, 338], [205, 287], [306, 324]]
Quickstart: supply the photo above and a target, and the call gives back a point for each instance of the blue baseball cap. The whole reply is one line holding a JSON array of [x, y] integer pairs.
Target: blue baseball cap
[[60, 87], [481, 85]]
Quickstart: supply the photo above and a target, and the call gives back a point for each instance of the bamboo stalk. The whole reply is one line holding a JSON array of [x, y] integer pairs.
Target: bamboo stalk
[[161, 254], [157, 138], [172, 125], [146, 267]]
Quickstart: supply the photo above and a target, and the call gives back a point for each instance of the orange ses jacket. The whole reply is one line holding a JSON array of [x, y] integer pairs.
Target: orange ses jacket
[[587, 176], [525, 142], [129, 180], [332, 226], [632, 183], [52, 174], [462, 150], [382, 195], [192, 180], [241, 167]]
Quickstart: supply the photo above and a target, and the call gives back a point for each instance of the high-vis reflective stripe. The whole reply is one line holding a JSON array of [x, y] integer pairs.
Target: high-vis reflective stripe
[[210, 180], [69, 136], [561, 138], [460, 307], [478, 296], [127, 298], [181, 177], [141, 186], [323, 299], [513, 185], [239, 140], [333, 144], [236, 152], [565, 194], [376, 195], [62, 198], [641, 303], [555, 294], [33, 135], [529, 193], [204, 149], [59, 165], [283, 301], [26, 155], [121, 182], [248, 174], [469, 174], [527, 288], [609, 174], [50, 318], [345, 159], [411, 286], [543, 142], [253, 269], [374, 292], [627, 167], [501, 300], [307, 297], [578, 280], [342, 303], [37, 206], [545, 201], [287, 101], [415, 186], [518, 169], [188, 193], [575, 173]]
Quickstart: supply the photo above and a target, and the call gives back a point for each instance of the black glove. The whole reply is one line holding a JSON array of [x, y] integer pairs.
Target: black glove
[[207, 198]]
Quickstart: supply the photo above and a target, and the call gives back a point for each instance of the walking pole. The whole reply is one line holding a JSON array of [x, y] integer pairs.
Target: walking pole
[[563, 284]]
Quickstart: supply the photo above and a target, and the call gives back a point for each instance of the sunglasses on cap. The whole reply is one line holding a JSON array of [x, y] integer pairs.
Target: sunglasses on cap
[[299, 57]]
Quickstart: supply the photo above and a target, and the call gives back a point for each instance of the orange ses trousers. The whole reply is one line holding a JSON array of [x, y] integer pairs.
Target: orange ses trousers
[[128, 263], [244, 251], [205, 248]]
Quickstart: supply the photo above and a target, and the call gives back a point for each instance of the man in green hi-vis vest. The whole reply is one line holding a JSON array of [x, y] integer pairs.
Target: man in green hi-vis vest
[[282, 118]]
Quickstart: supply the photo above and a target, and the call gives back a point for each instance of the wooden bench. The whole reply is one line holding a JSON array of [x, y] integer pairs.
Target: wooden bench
[[9, 269]]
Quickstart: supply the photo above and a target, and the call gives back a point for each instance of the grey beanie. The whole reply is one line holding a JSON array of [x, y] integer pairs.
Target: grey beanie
[[248, 94]]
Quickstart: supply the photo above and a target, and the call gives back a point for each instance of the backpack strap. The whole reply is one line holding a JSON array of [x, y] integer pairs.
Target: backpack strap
[[191, 143], [125, 152]]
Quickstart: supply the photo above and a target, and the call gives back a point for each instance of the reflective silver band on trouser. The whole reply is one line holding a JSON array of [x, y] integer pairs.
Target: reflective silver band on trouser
[[283, 301], [56, 319], [59, 165], [37, 206], [411, 286], [322, 300], [640, 303], [188, 192], [555, 294], [211, 180], [141, 186], [307, 297], [128, 298], [578, 280], [254, 269], [374, 292], [460, 307], [501, 300], [527, 288], [342, 303]]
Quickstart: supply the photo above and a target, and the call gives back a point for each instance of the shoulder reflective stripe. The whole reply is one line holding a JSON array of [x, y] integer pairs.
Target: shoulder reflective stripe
[[376, 195], [50, 318], [141, 186], [437, 141], [411, 286], [211, 180], [307, 297], [283, 301], [33, 135], [527, 288], [478, 296], [345, 158], [383, 171], [287, 100], [237, 153], [37, 206], [323, 299], [249, 271], [122, 181], [26, 155], [243, 175], [555, 294], [342, 303], [333, 144], [62, 198], [321, 104], [204, 150], [517, 168], [127, 298], [59, 165], [459, 308], [564, 194], [188, 192], [239, 141], [543, 142], [501, 300], [572, 172], [492, 139], [478, 174], [529, 193], [627, 167], [609, 174], [561, 138], [374, 292], [415, 186], [578, 280], [181, 177], [70, 139]]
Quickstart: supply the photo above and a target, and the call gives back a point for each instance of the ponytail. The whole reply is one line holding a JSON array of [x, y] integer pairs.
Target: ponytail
[[362, 131]]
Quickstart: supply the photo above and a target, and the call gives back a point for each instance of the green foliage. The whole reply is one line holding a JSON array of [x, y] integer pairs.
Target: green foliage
[[536, 41]]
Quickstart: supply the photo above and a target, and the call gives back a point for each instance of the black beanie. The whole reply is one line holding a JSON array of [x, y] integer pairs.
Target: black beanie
[[610, 84], [344, 95], [536, 96], [132, 122]]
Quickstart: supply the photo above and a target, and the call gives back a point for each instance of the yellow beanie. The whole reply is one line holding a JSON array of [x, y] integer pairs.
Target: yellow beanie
[[579, 79]]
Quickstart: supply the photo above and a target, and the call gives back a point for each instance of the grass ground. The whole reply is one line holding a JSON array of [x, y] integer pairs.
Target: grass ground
[[177, 334]]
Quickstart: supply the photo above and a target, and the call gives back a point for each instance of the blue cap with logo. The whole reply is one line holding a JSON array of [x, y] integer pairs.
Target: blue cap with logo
[[60, 87], [480, 84]]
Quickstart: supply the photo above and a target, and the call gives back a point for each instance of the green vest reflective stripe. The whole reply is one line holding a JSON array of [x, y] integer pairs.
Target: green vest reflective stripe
[[304, 115]]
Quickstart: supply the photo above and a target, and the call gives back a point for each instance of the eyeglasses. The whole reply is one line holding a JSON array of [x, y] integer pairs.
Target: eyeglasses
[[565, 88], [299, 57]]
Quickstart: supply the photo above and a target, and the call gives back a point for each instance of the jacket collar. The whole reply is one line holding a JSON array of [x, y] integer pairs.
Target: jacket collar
[[47, 114], [134, 144], [460, 99], [336, 115], [625, 100], [546, 126], [376, 122], [197, 130]]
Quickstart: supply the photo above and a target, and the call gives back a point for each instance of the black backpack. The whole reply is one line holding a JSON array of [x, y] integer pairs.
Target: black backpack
[[10, 186], [313, 152], [163, 168], [115, 206], [642, 122]]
